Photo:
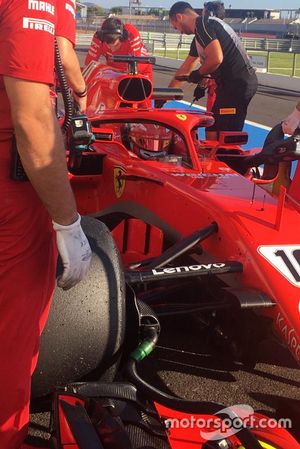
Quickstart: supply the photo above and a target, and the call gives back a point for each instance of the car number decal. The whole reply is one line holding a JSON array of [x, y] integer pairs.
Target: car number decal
[[286, 260]]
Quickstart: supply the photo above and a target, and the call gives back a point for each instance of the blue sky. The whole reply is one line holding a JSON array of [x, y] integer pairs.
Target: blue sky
[[241, 4]]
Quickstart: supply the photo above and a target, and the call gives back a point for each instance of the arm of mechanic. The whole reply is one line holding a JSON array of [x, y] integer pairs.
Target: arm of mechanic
[[72, 71], [292, 122], [213, 58], [41, 148], [186, 68], [95, 50]]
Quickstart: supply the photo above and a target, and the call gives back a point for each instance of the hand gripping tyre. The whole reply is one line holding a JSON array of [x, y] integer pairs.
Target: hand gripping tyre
[[85, 329]]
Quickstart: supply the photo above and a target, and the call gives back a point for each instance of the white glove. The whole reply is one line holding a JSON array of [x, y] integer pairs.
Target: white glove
[[291, 122], [75, 252]]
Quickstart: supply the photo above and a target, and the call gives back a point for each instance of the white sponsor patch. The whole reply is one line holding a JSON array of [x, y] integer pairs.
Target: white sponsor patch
[[38, 25], [37, 5], [285, 259], [70, 9], [205, 175]]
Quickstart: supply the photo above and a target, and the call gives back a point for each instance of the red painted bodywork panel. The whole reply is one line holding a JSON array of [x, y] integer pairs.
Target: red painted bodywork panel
[[103, 88], [66, 436]]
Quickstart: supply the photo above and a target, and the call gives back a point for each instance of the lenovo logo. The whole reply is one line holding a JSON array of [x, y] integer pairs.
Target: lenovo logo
[[203, 267]]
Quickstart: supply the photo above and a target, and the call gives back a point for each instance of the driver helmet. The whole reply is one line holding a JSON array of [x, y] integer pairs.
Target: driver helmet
[[149, 137]]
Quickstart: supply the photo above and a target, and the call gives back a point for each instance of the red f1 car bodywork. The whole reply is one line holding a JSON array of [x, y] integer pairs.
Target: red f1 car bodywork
[[186, 188], [109, 88]]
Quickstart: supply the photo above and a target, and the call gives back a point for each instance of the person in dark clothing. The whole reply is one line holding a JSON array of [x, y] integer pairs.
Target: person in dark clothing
[[222, 56]]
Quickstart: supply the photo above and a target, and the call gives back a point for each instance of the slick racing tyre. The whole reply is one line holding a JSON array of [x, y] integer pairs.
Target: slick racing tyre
[[86, 325]]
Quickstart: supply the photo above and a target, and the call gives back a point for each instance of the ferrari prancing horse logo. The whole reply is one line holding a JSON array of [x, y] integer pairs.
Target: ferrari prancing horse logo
[[119, 183], [181, 116]]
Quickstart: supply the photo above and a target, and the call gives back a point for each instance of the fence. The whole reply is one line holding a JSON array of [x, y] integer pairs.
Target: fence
[[159, 25], [282, 55], [171, 41]]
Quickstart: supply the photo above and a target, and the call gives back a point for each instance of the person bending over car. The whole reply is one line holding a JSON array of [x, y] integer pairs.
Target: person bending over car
[[224, 58], [116, 38], [37, 217]]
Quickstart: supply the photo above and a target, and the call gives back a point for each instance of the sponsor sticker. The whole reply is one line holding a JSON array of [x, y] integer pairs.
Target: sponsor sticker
[[289, 335], [204, 175], [227, 111], [189, 268]]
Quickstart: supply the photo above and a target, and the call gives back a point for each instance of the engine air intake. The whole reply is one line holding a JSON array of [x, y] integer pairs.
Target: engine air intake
[[134, 89]]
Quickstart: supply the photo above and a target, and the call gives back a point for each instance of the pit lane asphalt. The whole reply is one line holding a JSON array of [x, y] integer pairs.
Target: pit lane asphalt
[[184, 362], [268, 107]]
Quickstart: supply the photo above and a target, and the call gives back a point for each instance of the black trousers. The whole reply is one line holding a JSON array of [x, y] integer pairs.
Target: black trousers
[[231, 104]]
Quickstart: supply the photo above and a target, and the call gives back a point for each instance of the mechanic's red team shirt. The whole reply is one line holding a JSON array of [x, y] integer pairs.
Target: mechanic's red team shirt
[[131, 46], [27, 29], [27, 247], [66, 22]]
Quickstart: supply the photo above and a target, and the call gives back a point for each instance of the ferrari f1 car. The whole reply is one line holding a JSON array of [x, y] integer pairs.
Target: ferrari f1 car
[[189, 217], [197, 234], [182, 207]]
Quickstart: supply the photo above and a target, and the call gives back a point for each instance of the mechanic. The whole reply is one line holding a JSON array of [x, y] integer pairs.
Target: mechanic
[[66, 35], [30, 211], [292, 122], [116, 38], [224, 58]]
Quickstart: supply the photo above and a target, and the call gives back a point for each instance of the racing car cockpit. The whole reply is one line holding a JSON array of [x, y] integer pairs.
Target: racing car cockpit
[[148, 140], [152, 141]]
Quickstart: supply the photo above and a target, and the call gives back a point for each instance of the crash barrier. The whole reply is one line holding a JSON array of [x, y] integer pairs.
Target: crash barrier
[[266, 61], [286, 29], [175, 40], [180, 41], [263, 52]]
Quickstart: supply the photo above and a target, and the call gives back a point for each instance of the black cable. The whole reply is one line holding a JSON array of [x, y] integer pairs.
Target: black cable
[[65, 91]]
